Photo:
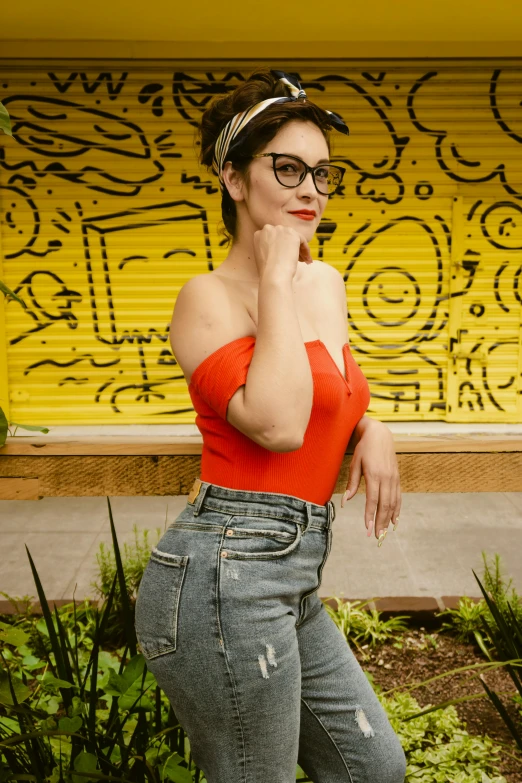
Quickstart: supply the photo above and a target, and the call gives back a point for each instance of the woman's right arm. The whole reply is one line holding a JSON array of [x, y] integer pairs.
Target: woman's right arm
[[280, 383], [273, 407]]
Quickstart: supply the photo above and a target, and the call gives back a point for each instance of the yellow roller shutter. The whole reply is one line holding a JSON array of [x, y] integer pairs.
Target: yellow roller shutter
[[105, 214]]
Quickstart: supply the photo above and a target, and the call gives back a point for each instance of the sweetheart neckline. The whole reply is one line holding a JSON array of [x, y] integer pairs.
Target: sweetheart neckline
[[308, 342]]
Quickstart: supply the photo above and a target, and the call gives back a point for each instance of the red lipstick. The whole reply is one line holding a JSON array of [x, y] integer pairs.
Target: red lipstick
[[304, 214]]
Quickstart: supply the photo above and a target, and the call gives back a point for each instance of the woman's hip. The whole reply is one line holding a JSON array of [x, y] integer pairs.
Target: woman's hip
[[230, 563]]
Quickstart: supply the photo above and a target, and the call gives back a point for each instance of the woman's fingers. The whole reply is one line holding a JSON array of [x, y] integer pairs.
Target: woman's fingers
[[383, 500], [395, 518], [372, 499], [384, 510], [304, 251]]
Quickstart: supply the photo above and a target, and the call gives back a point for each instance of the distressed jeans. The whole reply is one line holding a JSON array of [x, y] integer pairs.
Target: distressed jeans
[[258, 674]]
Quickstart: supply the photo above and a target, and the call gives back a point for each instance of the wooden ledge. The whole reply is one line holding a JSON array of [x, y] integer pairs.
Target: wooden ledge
[[33, 467], [129, 445]]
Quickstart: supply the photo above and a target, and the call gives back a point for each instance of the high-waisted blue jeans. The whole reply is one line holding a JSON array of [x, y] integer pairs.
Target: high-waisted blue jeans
[[257, 672]]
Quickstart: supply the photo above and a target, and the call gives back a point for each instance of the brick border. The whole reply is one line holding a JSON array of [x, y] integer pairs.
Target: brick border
[[418, 607], [7, 608]]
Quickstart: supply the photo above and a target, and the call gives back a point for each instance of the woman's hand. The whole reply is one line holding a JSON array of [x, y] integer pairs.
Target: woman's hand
[[279, 249], [374, 457]]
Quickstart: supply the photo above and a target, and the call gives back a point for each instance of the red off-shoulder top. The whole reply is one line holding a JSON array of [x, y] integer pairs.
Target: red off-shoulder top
[[231, 459]]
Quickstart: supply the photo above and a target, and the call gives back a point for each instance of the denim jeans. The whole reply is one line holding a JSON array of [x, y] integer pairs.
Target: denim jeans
[[258, 674]]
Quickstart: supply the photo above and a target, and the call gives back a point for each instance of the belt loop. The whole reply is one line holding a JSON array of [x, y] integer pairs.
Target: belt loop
[[197, 494], [331, 512], [308, 516]]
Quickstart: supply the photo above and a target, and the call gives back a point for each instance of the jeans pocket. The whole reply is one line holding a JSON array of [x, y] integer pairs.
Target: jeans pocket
[[251, 538], [157, 604]]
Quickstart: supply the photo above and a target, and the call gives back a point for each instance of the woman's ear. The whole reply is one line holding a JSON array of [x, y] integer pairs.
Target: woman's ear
[[233, 181]]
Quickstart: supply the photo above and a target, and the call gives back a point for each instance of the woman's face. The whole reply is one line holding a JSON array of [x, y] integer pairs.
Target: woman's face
[[265, 200]]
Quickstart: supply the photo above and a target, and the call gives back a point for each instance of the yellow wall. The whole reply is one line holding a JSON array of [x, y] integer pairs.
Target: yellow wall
[[271, 21], [105, 214]]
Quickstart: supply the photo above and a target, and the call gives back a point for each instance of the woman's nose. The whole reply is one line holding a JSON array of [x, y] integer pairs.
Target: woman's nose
[[307, 186]]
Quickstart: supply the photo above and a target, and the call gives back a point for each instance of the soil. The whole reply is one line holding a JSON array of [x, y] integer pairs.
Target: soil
[[420, 659]]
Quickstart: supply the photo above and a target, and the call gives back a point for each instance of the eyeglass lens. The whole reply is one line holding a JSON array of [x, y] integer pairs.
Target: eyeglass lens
[[291, 172]]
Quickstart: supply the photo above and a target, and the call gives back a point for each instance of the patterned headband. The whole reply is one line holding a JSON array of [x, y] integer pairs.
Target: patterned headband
[[238, 122]]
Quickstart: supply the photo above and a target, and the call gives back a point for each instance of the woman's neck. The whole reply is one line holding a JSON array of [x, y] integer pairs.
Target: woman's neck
[[240, 262]]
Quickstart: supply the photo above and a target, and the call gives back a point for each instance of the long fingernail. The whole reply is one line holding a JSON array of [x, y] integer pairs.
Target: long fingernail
[[370, 527], [395, 524], [382, 536]]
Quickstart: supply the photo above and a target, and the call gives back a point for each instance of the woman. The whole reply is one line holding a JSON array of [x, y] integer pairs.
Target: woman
[[228, 615]]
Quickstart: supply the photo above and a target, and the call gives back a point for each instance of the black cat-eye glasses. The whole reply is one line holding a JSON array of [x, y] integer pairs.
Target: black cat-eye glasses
[[290, 171]]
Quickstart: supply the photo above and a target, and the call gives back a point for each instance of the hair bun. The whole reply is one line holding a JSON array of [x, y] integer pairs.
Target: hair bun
[[260, 85]]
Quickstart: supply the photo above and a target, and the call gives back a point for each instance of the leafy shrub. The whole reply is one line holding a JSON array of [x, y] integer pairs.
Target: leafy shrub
[[466, 622], [437, 746], [471, 619], [505, 635], [364, 625], [500, 590], [135, 557], [5, 120], [503, 632], [89, 713]]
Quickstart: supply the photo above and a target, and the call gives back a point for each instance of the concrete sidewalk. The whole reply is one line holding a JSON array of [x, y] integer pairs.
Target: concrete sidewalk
[[438, 541]]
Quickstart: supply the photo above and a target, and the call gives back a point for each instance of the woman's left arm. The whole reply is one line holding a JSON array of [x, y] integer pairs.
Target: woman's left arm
[[374, 458]]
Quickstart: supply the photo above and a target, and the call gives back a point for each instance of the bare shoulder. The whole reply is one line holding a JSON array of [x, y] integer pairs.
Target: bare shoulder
[[330, 276], [329, 271], [204, 319]]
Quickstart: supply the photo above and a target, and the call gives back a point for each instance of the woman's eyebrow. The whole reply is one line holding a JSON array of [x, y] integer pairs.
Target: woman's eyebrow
[[323, 160]]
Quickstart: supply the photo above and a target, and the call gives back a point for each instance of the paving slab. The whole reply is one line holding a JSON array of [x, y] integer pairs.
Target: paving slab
[[438, 541], [57, 557]]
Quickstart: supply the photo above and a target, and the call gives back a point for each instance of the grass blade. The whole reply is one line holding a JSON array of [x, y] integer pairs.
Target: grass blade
[[55, 646], [510, 650], [503, 713], [448, 703], [98, 637], [126, 608], [516, 626], [487, 666], [93, 695]]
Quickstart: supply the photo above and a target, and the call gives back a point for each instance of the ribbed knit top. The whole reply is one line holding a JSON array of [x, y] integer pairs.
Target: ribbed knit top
[[231, 459]]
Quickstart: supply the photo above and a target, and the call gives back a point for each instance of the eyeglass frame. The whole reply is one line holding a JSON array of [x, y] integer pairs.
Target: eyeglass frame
[[275, 155]]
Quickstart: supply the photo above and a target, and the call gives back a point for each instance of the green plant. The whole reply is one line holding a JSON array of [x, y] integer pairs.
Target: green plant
[[5, 121], [505, 634], [470, 620], [4, 423], [466, 622], [134, 559], [78, 713], [437, 746], [364, 625], [500, 589], [5, 126]]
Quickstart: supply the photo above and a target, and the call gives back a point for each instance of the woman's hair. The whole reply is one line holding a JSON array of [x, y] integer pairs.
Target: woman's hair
[[259, 86]]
